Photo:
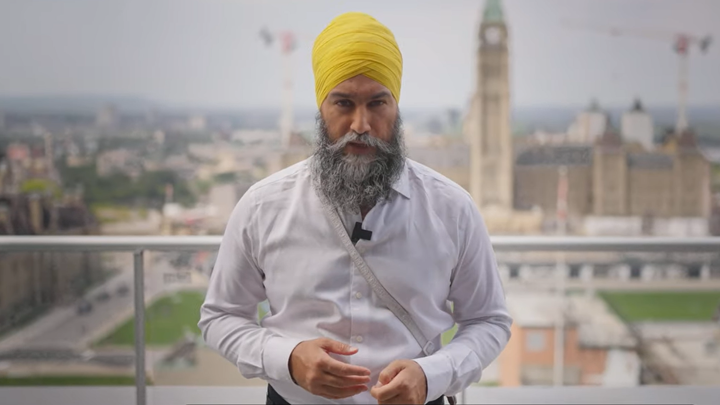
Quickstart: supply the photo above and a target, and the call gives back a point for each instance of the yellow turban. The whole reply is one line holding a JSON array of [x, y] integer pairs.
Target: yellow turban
[[356, 44]]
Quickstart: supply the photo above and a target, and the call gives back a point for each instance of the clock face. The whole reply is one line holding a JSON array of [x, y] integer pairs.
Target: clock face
[[493, 35]]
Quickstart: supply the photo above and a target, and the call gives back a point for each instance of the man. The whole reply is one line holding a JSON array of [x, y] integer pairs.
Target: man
[[328, 338]]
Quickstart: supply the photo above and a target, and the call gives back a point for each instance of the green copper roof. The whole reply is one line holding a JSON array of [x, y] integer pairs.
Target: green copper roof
[[493, 11]]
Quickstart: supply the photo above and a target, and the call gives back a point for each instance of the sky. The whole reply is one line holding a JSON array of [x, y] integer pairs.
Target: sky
[[208, 52]]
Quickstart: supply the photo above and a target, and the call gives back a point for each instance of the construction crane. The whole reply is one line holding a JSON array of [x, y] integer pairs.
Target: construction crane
[[681, 44], [288, 43]]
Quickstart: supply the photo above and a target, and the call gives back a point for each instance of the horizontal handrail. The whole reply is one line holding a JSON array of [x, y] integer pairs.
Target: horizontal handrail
[[500, 243]]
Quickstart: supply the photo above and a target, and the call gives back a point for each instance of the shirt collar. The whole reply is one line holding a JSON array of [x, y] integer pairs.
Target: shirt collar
[[402, 184]]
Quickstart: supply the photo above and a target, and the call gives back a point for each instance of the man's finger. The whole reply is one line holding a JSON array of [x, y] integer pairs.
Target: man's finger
[[342, 392], [390, 372], [388, 391], [333, 346], [344, 382], [397, 399], [341, 369]]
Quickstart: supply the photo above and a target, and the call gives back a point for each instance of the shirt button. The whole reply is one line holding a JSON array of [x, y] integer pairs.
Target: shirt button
[[358, 295], [359, 339]]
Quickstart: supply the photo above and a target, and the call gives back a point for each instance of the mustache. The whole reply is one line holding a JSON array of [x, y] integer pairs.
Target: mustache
[[349, 181], [364, 138]]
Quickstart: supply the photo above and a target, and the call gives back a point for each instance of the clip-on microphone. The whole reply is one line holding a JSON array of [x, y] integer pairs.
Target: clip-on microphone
[[359, 233]]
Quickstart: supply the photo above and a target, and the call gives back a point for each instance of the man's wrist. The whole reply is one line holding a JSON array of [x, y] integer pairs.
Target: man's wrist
[[426, 385], [290, 368], [438, 375], [276, 357]]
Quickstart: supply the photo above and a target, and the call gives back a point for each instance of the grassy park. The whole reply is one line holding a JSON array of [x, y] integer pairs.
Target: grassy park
[[171, 316], [67, 380], [166, 321], [663, 306]]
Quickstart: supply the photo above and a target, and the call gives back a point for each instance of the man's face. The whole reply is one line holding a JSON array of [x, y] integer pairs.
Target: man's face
[[360, 151], [362, 106]]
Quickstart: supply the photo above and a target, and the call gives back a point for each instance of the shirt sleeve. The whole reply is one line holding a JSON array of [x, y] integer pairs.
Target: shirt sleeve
[[228, 316], [479, 310]]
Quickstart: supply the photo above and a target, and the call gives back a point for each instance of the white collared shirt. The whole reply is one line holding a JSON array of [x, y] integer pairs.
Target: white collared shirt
[[429, 246]]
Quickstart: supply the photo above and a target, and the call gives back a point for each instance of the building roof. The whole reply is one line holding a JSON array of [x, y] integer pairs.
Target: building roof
[[16, 218], [493, 11], [533, 310], [622, 369], [453, 155], [687, 140], [594, 106], [597, 325], [610, 139], [556, 155], [651, 161], [637, 106]]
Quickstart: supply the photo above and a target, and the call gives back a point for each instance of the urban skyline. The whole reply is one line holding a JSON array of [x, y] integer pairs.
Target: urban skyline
[[210, 54]]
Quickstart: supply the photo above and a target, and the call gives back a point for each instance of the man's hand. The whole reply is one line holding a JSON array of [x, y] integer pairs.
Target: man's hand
[[314, 370], [401, 382]]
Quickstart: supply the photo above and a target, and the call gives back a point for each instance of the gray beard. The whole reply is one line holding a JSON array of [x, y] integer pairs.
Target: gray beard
[[349, 182]]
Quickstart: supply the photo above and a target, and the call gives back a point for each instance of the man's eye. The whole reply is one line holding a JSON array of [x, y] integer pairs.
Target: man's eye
[[343, 103], [377, 103]]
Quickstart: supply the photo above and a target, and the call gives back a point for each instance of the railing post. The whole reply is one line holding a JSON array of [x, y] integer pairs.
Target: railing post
[[139, 275], [463, 398]]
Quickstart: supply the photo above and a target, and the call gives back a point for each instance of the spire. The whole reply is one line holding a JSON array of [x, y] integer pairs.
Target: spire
[[594, 106], [493, 11], [637, 107]]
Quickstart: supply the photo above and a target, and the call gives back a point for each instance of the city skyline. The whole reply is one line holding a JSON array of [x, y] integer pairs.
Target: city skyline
[[210, 54]]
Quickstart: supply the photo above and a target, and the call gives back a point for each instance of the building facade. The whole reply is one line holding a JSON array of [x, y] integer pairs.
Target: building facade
[[612, 178], [31, 281], [597, 347], [637, 126], [488, 122]]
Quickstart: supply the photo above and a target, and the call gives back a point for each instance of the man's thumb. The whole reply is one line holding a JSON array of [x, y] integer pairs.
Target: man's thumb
[[333, 346], [390, 372]]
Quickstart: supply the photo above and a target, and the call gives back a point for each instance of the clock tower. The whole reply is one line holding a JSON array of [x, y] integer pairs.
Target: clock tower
[[488, 121]]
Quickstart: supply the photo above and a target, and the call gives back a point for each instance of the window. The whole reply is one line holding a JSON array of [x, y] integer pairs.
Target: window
[[535, 341]]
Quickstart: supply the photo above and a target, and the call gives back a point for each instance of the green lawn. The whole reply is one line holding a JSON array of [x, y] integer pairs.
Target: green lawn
[[166, 321], [65, 380], [663, 306]]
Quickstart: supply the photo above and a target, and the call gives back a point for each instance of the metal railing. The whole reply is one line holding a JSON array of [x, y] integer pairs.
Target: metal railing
[[139, 244]]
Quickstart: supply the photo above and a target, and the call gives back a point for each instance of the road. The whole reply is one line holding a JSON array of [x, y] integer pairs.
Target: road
[[617, 284], [64, 328]]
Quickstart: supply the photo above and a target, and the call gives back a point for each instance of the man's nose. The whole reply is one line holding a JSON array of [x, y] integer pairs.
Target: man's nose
[[360, 123]]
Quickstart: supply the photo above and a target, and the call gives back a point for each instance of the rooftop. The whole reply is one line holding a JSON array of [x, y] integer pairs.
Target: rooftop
[[556, 155], [597, 325], [637, 106], [652, 161], [493, 12]]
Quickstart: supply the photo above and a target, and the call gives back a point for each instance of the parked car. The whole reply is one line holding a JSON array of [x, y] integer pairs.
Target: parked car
[[123, 290], [84, 307], [102, 296]]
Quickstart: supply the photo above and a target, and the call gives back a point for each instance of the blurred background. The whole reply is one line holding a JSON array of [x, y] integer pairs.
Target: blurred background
[[580, 118]]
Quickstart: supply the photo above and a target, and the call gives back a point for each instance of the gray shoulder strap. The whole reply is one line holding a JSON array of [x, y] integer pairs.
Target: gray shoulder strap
[[387, 299], [427, 346]]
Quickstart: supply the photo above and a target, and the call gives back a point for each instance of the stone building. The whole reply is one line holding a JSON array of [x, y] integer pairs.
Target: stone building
[[487, 127], [31, 281], [515, 185], [597, 347], [612, 178]]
